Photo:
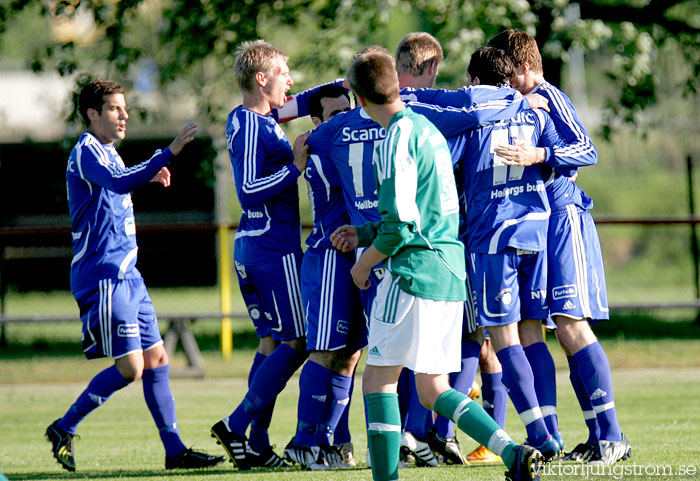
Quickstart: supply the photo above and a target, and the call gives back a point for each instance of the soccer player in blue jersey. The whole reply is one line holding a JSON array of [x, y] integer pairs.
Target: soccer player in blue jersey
[[507, 217], [416, 317], [117, 313], [576, 286], [267, 249], [336, 330]]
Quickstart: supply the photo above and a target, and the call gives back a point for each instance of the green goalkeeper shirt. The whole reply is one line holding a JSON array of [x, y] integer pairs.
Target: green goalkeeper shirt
[[420, 210]]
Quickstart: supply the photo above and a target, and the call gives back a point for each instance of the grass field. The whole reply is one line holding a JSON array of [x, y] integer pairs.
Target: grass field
[[657, 383]]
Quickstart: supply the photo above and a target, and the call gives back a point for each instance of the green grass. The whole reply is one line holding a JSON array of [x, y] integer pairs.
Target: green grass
[[656, 374], [658, 410]]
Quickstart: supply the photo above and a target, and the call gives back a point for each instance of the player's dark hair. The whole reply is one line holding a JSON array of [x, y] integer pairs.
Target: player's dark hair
[[327, 91], [492, 65], [520, 46], [373, 77], [92, 96]]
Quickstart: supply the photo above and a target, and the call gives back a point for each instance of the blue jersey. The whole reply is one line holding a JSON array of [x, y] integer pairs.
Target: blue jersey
[[506, 206], [578, 150], [101, 211], [349, 139], [266, 184], [325, 199]]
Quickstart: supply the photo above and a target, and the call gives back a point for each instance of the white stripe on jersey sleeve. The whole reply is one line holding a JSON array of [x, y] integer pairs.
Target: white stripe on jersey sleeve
[[405, 175]]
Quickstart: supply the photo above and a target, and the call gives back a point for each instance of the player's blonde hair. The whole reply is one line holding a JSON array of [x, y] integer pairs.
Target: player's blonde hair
[[520, 46], [253, 57], [416, 52]]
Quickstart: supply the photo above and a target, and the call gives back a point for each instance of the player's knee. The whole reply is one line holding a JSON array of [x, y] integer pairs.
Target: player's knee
[[131, 367]]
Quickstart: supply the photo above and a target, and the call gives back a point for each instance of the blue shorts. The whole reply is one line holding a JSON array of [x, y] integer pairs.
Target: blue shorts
[[509, 286], [272, 294], [470, 322], [332, 305], [118, 319], [576, 285]]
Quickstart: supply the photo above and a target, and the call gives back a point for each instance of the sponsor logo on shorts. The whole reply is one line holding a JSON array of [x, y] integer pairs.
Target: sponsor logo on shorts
[[562, 292], [128, 330], [319, 398], [505, 296], [374, 351], [538, 294], [269, 316], [343, 327], [568, 305], [240, 268]]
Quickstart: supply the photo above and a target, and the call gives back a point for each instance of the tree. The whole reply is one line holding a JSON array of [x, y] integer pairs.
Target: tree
[[193, 42]]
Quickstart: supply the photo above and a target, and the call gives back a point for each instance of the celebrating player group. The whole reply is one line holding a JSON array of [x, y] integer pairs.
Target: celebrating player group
[[448, 230]]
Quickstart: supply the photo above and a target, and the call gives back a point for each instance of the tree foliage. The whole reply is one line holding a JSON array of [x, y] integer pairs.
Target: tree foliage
[[193, 43]]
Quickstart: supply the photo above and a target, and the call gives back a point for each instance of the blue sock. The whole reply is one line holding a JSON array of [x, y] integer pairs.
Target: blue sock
[[585, 403], [461, 381], [403, 389], [342, 430], [336, 405], [100, 388], [313, 393], [594, 372], [419, 419], [269, 380], [258, 438], [494, 396], [544, 374], [160, 401], [518, 378]]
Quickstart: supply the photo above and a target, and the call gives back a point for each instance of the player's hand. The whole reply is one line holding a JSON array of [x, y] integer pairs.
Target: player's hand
[[185, 136], [520, 154], [344, 238], [360, 276], [301, 151], [574, 177], [538, 102], [163, 176]]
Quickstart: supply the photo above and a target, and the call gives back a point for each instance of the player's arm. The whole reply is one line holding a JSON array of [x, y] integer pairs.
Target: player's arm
[[577, 148], [96, 169], [247, 153], [552, 150], [296, 105], [456, 111], [397, 196]]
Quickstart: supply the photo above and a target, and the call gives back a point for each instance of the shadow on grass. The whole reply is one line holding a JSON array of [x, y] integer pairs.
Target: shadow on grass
[[620, 326], [643, 326], [46, 347], [142, 473]]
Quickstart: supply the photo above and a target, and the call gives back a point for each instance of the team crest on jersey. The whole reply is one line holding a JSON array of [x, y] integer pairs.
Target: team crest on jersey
[[505, 296], [280, 132], [562, 292]]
